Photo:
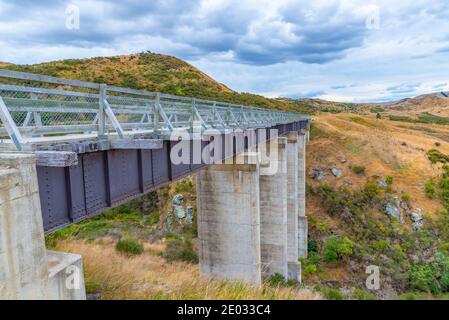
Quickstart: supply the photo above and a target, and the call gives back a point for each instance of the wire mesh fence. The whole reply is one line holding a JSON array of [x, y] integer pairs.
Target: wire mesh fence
[[35, 106]]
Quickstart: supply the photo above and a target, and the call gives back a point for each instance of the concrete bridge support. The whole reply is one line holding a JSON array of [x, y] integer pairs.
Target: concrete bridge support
[[27, 270], [273, 210], [229, 220], [294, 267], [302, 219]]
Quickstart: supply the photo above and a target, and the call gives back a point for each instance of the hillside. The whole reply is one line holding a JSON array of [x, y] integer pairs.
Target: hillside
[[152, 72], [383, 163], [434, 103], [318, 105]]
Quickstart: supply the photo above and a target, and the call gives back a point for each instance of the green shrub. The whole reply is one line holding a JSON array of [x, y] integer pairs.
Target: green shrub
[[181, 250], [370, 190], [433, 277], [277, 279], [406, 198], [426, 117], [429, 189], [436, 156], [184, 186], [358, 169], [359, 120], [312, 246], [409, 296], [129, 246], [332, 294], [360, 294], [331, 200], [389, 180], [337, 249], [310, 268], [377, 110]]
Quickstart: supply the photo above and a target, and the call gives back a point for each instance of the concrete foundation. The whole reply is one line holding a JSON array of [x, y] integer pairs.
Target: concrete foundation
[[24, 272], [273, 211], [292, 206], [302, 219], [229, 220]]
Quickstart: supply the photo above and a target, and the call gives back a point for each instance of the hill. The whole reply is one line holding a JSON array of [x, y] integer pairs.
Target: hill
[[431, 103], [152, 72]]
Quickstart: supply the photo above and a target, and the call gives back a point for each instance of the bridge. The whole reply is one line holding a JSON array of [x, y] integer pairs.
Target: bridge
[[70, 150]]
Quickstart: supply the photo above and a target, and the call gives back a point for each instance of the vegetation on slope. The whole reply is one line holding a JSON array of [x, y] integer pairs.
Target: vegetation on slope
[[348, 225]]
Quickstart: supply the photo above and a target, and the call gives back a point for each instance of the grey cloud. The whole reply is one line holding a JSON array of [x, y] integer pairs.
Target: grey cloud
[[221, 31], [403, 88]]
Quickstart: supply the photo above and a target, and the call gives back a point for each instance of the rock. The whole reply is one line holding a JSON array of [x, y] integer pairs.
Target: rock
[[417, 219], [178, 199], [393, 211], [382, 183], [342, 159], [336, 172], [331, 283], [417, 225], [179, 212], [346, 292], [178, 209], [318, 174], [416, 216], [402, 204], [93, 296], [348, 182]]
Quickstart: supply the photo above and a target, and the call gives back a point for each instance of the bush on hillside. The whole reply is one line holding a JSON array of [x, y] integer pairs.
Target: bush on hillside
[[435, 156], [179, 249], [358, 169], [433, 277], [129, 246], [337, 249]]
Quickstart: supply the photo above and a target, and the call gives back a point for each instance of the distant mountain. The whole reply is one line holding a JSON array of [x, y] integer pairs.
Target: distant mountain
[[3, 64], [435, 103]]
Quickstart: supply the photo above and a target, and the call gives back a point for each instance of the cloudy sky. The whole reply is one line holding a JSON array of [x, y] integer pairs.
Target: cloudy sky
[[338, 50]]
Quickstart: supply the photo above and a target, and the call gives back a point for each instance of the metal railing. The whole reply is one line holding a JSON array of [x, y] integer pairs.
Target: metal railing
[[53, 106]]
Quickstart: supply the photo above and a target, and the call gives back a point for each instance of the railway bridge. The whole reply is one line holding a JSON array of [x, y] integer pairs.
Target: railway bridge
[[70, 150]]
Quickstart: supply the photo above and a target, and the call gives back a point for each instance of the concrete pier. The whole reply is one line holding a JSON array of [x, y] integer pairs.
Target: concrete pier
[[24, 262], [302, 219], [273, 211], [294, 267], [229, 220]]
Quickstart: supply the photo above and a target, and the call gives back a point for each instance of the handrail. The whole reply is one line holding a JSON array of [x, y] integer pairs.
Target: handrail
[[28, 112]]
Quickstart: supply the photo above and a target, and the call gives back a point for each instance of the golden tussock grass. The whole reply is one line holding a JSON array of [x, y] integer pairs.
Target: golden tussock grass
[[149, 276], [384, 147]]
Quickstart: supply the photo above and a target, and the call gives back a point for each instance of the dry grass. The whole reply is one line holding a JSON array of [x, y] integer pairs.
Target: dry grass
[[149, 276], [385, 148]]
